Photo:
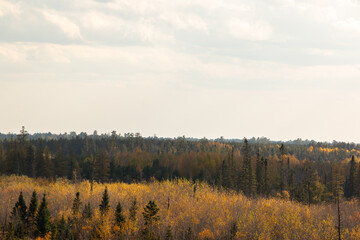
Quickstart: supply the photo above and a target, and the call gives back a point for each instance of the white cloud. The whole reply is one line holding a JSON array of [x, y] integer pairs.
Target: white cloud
[[185, 21], [9, 8], [70, 29], [254, 31], [321, 52], [350, 24], [142, 28]]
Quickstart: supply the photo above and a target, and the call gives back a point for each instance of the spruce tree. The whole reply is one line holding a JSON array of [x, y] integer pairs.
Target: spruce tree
[[102, 166], [350, 181], [76, 204], [32, 212], [259, 173], [43, 218], [30, 162], [19, 217], [150, 213], [119, 217], [150, 217], [105, 202], [247, 178], [20, 209]]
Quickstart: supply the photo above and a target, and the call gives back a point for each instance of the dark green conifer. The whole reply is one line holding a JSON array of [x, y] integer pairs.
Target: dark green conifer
[[43, 218], [19, 217], [105, 202], [349, 190], [76, 204], [119, 217], [20, 209], [150, 211]]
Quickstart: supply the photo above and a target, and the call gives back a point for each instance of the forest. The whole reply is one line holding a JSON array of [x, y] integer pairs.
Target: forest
[[87, 187]]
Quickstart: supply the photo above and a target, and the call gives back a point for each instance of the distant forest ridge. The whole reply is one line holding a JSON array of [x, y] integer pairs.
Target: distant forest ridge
[[304, 170], [95, 134]]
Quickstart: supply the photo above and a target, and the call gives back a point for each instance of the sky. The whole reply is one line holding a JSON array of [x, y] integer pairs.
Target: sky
[[281, 69]]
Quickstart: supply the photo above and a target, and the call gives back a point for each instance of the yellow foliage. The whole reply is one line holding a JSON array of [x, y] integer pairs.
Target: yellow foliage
[[210, 215], [206, 234]]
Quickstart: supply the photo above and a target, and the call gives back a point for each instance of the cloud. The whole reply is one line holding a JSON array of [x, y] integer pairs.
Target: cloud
[[350, 24], [185, 21], [143, 29], [254, 31], [70, 29], [9, 8]]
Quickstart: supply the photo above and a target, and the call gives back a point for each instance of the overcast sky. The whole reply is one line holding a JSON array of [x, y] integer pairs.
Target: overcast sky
[[281, 69]]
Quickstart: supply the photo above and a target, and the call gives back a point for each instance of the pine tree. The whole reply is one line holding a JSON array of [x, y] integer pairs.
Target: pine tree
[[30, 162], [266, 177], [43, 218], [350, 181], [260, 173], [19, 217], [247, 178], [61, 163], [102, 166], [76, 204], [227, 173], [282, 173], [150, 211], [20, 209], [32, 212], [105, 202], [150, 217], [119, 217]]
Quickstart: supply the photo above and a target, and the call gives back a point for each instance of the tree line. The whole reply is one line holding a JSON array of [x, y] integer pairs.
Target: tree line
[[298, 171]]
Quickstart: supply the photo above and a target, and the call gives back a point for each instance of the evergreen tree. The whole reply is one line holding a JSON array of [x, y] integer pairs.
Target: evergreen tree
[[119, 217], [43, 218], [102, 166], [350, 181], [19, 217], [151, 218], [32, 213], [61, 163], [20, 209], [150, 213], [76, 204], [282, 173], [260, 173], [105, 202], [39, 159], [227, 176], [33, 206], [266, 178], [30, 161], [247, 178]]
